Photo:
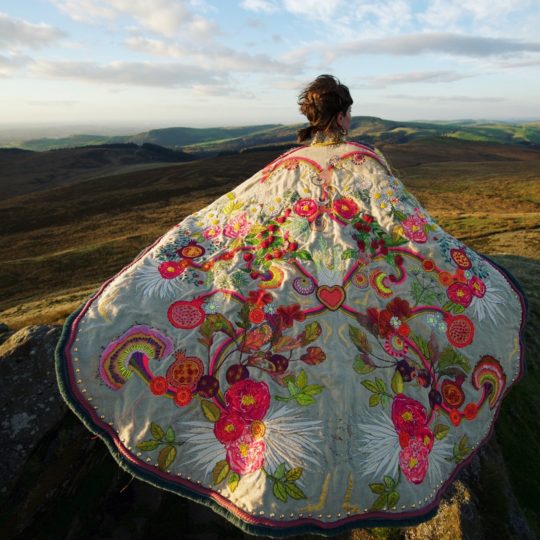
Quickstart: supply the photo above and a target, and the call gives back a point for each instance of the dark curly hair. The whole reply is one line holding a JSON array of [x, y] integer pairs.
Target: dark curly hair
[[321, 102]]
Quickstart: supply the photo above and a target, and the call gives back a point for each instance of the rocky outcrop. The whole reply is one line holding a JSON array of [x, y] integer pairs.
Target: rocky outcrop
[[30, 404], [59, 481]]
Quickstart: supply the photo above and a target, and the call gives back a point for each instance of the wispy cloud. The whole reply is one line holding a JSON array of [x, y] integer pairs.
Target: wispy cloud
[[452, 44], [491, 14], [169, 75], [414, 78], [520, 63], [17, 32], [7, 66], [262, 6], [313, 9], [215, 57], [469, 99], [161, 16]]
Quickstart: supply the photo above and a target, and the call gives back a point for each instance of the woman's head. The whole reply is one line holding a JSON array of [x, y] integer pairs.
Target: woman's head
[[326, 103]]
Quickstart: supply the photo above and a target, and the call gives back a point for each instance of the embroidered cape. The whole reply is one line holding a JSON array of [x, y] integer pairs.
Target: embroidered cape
[[310, 352]]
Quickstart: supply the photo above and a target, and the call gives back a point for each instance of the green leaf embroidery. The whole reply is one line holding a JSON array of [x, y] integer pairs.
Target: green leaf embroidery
[[304, 400], [312, 389], [157, 431], [422, 345], [166, 457], [147, 446], [280, 471], [232, 481], [220, 471], [279, 491], [380, 385], [294, 474], [210, 410], [359, 338], [393, 498], [169, 436], [361, 366], [389, 482], [377, 488], [380, 502], [292, 388], [311, 332], [294, 491], [441, 431], [449, 357], [301, 379], [371, 386], [397, 383]]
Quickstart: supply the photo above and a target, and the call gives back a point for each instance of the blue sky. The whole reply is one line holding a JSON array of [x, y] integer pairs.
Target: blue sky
[[156, 63]]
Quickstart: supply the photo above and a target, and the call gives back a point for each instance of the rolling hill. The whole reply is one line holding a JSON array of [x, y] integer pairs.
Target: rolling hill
[[24, 171], [370, 129]]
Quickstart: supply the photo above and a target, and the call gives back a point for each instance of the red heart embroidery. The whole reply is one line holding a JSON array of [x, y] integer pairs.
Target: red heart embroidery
[[331, 297]]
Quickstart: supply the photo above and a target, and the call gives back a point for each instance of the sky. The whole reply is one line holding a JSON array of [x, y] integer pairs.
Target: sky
[[202, 63]]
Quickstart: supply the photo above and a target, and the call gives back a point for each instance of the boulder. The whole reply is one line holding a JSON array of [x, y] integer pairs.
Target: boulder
[[30, 404]]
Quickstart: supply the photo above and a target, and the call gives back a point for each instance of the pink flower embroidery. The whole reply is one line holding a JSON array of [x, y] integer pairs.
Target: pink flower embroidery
[[345, 208], [415, 438], [477, 286], [413, 227], [229, 427], [237, 226], [307, 208], [212, 232], [246, 455], [413, 460], [408, 414], [460, 294], [249, 398], [170, 269]]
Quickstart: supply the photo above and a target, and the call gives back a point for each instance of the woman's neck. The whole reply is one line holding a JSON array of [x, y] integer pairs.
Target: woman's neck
[[324, 138]]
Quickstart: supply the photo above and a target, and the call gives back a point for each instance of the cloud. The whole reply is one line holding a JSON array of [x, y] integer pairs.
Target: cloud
[[17, 32], [520, 63], [489, 13], [452, 44], [160, 16], [414, 78], [156, 47], [461, 99], [222, 90], [9, 65], [169, 75], [264, 6], [216, 57], [313, 9]]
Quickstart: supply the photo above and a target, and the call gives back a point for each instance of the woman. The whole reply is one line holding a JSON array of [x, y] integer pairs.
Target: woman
[[311, 352]]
